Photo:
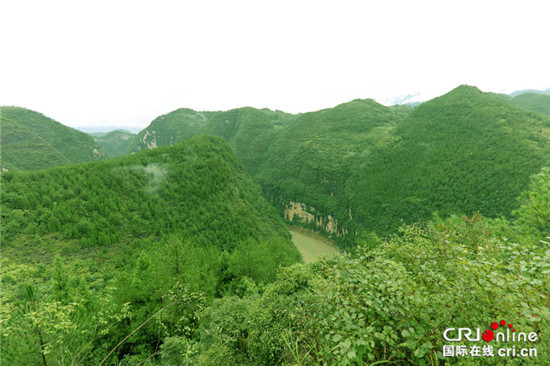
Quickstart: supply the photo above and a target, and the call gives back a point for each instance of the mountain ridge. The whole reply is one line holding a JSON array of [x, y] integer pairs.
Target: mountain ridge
[[31, 140]]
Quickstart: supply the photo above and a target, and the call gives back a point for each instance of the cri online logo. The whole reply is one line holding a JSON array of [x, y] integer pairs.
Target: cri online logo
[[489, 334]]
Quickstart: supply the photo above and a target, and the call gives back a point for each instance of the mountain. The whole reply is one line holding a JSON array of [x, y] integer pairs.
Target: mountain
[[465, 151], [181, 224], [310, 161], [172, 255], [532, 91], [412, 100], [534, 102], [158, 191], [115, 143], [247, 130], [100, 130], [303, 159], [362, 167], [33, 141]]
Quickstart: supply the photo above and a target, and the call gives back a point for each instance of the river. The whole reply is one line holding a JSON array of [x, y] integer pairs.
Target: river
[[311, 245]]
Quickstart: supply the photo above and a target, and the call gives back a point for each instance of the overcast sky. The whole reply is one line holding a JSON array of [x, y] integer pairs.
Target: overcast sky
[[123, 63]]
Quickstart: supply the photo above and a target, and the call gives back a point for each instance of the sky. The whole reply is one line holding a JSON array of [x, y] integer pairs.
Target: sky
[[100, 64]]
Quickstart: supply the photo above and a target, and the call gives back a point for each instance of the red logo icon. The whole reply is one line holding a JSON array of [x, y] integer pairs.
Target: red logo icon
[[489, 335]]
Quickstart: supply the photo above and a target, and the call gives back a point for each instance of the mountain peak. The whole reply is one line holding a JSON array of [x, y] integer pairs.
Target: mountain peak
[[466, 89]]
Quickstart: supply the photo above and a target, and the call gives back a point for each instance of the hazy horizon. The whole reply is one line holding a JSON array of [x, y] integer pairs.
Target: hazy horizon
[[105, 64], [138, 126]]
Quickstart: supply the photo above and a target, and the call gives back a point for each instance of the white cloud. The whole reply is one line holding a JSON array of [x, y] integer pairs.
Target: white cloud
[[125, 62]]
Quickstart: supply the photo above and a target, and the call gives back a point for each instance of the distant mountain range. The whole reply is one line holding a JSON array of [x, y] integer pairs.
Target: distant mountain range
[[352, 169], [536, 102], [532, 91], [341, 167], [416, 99]]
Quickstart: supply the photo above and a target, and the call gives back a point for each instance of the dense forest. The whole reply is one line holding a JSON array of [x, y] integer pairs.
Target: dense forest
[[370, 168], [463, 152], [535, 102], [33, 141], [90, 251], [115, 143], [176, 252]]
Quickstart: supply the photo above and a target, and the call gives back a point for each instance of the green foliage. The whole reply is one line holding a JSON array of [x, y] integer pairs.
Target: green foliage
[[177, 351], [247, 130], [372, 168], [539, 103], [534, 212], [115, 143], [391, 304], [33, 141], [455, 154], [197, 188], [311, 160], [134, 248], [172, 257]]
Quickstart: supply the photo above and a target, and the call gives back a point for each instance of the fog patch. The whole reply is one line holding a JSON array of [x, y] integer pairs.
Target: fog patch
[[157, 175]]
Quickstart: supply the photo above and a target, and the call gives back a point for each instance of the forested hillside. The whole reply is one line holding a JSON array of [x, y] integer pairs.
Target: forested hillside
[[115, 143], [373, 168], [90, 251], [392, 304], [363, 168], [148, 303], [539, 103], [248, 130], [312, 159], [32, 141], [304, 158], [463, 152], [174, 256]]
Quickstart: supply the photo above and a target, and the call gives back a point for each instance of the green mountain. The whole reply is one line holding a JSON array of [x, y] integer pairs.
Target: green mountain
[[303, 158], [129, 233], [115, 143], [362, 167], [172, 256], [159, 191], [463, 152], [534, 102], [531, 91], [248, 130], [311, 160], [33, 141]]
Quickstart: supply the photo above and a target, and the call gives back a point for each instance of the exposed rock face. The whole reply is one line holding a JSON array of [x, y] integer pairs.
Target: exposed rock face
[[306, 214], [149, 139]]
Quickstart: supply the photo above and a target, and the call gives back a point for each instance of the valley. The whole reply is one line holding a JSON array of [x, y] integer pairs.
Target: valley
[[197, 240]]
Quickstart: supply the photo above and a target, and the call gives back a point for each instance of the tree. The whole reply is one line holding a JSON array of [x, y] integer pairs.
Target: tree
[[534, 212]]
